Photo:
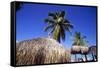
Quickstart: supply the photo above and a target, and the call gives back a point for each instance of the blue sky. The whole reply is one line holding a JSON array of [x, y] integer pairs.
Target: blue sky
[[30, 21]]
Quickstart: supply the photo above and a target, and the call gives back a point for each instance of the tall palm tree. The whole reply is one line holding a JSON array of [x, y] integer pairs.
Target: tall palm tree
[[58, 25], [79, 45]]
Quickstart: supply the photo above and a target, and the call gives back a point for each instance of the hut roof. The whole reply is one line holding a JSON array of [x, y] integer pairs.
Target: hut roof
[[76, 49], [41, 51], [93, 49]]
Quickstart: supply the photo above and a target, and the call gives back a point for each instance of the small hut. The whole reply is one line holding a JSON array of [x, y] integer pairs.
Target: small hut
[[79, 46], [83, 50], [93, 52]]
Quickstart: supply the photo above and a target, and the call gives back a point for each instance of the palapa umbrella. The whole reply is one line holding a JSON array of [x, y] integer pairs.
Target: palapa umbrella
[[92, 51], [79, 49], [79, 45]]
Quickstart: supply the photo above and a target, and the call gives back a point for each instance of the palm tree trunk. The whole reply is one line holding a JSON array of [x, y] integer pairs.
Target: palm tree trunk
[[93, 56], [85, 57], [75, 57]]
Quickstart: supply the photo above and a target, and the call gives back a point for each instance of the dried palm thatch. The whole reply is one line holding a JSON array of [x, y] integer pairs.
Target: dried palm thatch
[[75, 49], [93, 50], [84, 49], [41, 51], [79, 49]]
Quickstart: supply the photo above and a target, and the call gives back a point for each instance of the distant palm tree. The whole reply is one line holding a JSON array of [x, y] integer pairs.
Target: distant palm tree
[[80, 45], [79, 39], [58, 25]]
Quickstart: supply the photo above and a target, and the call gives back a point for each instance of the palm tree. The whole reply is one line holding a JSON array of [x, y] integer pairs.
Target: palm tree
[[58, 25], [77, 38], [79, 45]]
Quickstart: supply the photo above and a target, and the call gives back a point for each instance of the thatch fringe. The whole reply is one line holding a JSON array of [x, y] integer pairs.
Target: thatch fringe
[[79, 49]]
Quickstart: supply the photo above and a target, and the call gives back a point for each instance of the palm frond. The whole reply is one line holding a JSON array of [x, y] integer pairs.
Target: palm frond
[[52, 30], [68, 25], [62, 13], [52, 15], [48, 20], [57, 14], [66, 21], [68, 29], [48, 27]]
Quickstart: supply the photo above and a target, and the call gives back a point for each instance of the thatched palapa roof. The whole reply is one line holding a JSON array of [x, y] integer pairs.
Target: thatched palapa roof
[[78, 49], [41, 51]]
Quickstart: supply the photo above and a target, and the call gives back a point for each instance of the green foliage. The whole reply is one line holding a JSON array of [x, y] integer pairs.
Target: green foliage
[[58, 25], [79, 39]]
